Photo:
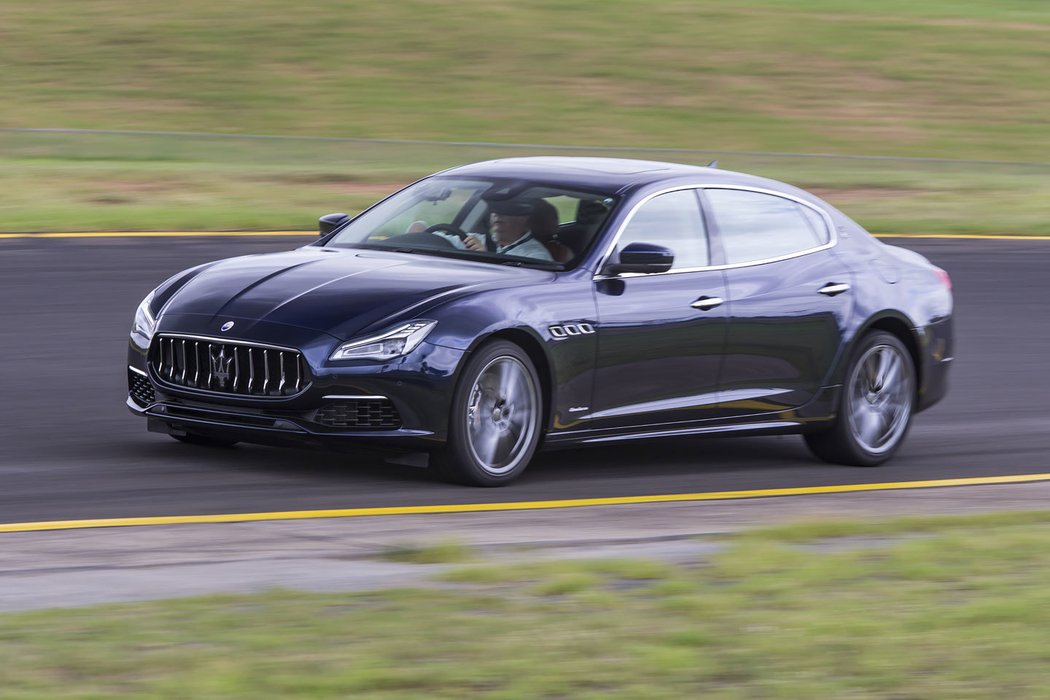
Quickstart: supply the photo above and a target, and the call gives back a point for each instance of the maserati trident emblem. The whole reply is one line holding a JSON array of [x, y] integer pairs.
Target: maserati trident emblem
[[220, 365], [226, 326]]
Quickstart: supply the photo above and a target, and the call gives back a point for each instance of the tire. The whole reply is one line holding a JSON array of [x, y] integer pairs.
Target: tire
[[495, 419], [204, 440], [876, 404]]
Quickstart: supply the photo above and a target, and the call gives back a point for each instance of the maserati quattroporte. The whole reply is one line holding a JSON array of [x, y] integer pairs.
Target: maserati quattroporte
[[494, 309]]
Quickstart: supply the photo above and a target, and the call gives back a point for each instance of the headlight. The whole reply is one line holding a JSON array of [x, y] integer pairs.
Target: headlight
[[145, 323], [386, 346]]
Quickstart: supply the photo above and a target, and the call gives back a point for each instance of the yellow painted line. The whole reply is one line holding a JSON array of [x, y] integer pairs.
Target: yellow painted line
[[513, 506], [157, 234], [244, 234]]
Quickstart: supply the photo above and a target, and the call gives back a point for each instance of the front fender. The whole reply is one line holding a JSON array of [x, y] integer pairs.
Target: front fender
[[526, 315]]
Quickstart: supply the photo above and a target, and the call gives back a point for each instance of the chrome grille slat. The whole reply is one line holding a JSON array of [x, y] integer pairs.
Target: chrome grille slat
[[182, 378], [251, 371], [230, 368], [280, 387], [207, 365], [171, 358], [266, 371]]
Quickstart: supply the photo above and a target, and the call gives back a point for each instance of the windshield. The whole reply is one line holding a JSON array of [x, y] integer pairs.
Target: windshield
[[494, 220]]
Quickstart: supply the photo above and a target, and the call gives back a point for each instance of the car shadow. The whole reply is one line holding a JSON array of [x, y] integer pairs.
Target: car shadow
[[662, 464]]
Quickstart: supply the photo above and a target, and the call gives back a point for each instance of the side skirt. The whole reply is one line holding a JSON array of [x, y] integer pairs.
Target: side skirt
[[815, 415]]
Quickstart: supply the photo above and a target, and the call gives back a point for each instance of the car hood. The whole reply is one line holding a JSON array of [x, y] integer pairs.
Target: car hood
[[336, 291]]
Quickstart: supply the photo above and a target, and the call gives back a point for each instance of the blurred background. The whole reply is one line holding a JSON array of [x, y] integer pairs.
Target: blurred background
[[927, 116], [912, 117]]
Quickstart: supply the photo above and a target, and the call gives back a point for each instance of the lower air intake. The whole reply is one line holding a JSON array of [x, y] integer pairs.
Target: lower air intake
[[140, 390], [376, 414]]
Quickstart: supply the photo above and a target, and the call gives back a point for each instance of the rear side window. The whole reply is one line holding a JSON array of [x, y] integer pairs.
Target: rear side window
[[757, 226]]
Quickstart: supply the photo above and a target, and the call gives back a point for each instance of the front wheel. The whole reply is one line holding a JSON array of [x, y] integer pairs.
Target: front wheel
[[875, 407], [495, 421]]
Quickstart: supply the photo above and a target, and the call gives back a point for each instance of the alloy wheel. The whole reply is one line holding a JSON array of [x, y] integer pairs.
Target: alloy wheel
[[879, 399], [502, 415]]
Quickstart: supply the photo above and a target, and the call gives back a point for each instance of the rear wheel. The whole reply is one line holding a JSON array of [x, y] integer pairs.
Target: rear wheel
[[494, 424], [875, 406]]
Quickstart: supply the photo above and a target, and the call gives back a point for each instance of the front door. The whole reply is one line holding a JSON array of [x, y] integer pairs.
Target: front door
[[660, 336]]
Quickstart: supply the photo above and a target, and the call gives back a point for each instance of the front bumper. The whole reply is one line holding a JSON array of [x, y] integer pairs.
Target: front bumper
[[402, 403], [180, 419]]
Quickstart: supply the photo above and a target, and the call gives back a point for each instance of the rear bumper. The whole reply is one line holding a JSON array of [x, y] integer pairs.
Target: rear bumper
[[936, 385], [937, 357]]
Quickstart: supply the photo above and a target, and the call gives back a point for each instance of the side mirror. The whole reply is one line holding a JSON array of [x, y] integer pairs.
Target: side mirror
[[642, 257], [330, 222]]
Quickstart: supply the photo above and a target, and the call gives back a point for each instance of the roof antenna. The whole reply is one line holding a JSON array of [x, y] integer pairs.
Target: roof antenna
[[713, 164]]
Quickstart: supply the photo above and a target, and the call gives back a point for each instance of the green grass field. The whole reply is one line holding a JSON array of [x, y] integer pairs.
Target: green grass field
[[960, 79], [953, 78], [949, 609]]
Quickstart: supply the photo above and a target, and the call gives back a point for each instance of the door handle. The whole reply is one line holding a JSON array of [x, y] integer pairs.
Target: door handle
[[706, 303], [833, 288]]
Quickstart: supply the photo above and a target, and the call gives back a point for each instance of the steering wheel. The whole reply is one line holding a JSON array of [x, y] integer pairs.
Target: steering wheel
[[448, 228]]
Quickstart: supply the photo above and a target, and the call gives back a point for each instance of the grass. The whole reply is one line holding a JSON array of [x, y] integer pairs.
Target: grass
[[446, 552], [960, 612], [108, 182], [942, 77], [945, 78]]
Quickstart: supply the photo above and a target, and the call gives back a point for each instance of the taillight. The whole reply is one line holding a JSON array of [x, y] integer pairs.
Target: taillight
[[945, 278]]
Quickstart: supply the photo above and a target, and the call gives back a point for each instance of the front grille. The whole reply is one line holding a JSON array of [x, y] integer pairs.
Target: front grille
[[359, 413], [233, 368], [140, 390]]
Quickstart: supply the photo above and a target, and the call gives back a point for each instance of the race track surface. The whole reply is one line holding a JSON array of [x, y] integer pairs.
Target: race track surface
[[69, 449]]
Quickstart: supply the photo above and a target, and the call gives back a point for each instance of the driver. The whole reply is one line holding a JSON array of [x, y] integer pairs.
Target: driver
[[509, 226]]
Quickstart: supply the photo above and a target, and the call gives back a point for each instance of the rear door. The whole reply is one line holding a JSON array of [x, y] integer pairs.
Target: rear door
[[789, 298]]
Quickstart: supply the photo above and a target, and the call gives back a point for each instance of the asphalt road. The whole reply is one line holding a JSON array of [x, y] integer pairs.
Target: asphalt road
[[70, 450]]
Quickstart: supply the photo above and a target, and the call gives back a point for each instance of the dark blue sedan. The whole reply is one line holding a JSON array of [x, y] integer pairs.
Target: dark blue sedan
[[496, 308]]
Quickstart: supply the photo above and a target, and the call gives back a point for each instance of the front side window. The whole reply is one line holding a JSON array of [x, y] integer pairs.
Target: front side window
[[754, 226], [673, 221]]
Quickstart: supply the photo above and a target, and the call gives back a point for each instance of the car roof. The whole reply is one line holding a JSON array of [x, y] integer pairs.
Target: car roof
[[608, 174]]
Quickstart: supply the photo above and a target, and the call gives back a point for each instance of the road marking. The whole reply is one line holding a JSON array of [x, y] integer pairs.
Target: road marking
[[246, 234], [512, 506]]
